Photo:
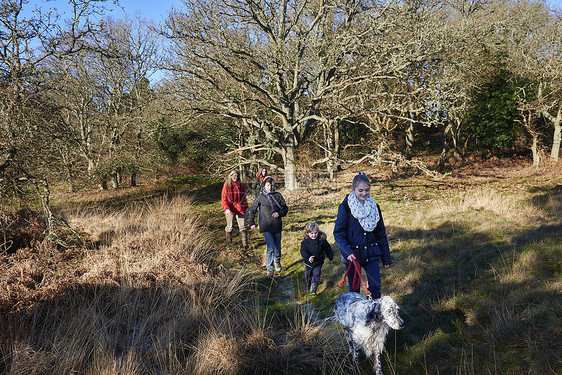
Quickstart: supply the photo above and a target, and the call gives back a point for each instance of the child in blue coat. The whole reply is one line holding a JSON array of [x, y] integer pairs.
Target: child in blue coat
[[360, 234], [314, 250]]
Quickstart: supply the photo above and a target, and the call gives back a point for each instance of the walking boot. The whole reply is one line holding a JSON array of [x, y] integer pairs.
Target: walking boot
[[244, 236], [228, 238], [313, 290]]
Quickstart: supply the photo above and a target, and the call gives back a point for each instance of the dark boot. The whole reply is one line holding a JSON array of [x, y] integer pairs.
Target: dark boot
[[244, 236], [228, 238]]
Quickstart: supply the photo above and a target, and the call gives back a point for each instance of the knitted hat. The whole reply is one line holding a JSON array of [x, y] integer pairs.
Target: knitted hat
[[268, 179]]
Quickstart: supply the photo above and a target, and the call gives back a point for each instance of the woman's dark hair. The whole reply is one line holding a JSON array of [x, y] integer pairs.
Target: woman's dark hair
[[360, 177]]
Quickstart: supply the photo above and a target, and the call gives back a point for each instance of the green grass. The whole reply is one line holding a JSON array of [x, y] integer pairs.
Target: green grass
[[475, 270]]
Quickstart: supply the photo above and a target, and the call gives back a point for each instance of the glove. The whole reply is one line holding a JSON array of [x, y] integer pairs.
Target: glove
[[227, 212]]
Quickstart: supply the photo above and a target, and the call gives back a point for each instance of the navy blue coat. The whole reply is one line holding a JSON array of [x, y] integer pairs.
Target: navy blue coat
[[353, 239], [266, 221], [318, 248]]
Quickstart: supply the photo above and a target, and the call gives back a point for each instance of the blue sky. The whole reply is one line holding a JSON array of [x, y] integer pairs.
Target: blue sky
[[158, 9], [154, 9]]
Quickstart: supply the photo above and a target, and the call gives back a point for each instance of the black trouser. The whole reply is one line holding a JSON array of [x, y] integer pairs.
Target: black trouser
[[312, 275]]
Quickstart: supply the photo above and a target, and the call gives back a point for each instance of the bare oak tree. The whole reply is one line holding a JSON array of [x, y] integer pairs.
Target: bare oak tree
[[534, 40], [105, 98], [273, 65], [26, 41]]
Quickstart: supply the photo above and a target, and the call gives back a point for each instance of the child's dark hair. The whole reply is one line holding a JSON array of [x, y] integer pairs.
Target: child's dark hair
[[360, 177], [313, 227]]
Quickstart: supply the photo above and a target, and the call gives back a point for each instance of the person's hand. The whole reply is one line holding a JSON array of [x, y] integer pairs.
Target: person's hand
[[275, 214], [253, 227], [311, 259], [351, 257], [386, 266], [227, 212]]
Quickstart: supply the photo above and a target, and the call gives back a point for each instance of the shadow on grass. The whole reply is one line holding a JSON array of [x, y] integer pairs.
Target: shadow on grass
[[96, 328], [459, 307], [548, 199]]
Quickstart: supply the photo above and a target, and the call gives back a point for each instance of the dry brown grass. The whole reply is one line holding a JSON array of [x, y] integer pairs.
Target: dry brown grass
[[145, 297], [142, 242]]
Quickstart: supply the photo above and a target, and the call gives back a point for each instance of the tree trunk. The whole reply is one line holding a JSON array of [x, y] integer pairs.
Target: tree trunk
[[409, 140], [70, 186], [455, 135], [138, 147], [535, 151], [444, 145], [44, 192], [115, 180], [557, 138], [331, 131], [289, 160]]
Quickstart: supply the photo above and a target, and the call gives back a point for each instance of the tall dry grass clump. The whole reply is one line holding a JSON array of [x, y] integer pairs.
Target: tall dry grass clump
[[144, 298], [159, 241]]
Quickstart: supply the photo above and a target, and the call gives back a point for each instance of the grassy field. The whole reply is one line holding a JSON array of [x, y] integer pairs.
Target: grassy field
[[151, 288]]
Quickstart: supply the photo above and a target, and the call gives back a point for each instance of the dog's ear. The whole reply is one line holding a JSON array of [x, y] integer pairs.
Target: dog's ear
[[373, 313]]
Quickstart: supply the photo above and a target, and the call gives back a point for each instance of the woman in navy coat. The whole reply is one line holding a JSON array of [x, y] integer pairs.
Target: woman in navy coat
[[360, 233]]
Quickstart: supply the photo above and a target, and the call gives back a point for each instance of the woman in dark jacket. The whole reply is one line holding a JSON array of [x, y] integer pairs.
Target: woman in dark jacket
[[272, 208], [314, 250], [360, 234]]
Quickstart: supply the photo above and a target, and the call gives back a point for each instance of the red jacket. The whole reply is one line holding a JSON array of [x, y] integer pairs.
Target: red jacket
[[233, 198]]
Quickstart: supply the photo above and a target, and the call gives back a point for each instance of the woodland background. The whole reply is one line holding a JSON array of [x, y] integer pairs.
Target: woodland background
[[295, 85]]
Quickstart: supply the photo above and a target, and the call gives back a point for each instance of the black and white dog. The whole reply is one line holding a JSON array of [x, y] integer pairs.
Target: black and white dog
[[366, 323]]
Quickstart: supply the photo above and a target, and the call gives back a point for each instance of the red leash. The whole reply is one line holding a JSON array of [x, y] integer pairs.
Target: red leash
[[357, 277]]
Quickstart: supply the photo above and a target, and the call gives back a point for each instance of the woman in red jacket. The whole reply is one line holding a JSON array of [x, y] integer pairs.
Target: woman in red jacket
[[262, 174], [234, 204]]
